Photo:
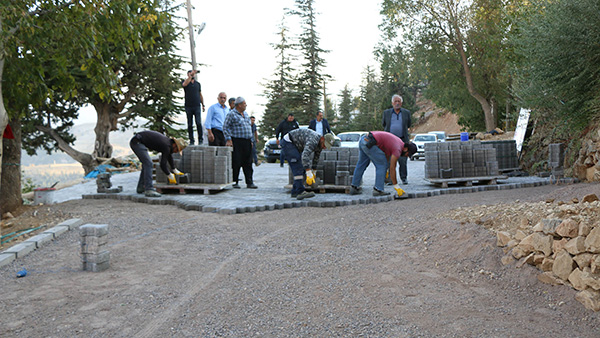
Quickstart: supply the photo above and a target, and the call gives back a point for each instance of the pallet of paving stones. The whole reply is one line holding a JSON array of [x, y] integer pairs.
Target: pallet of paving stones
[[192, 188], [466, 181], [325, 188]]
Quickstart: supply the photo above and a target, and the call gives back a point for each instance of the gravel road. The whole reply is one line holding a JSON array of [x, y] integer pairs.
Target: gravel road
[[392, 269]]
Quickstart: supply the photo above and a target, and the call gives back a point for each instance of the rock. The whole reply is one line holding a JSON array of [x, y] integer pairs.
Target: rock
[[7, 215], [583, 260], [507, 259], [589, 198], [547, 264], [568, 228], [576, 281], [563, 265], [590, 299], [549, 278], [594, 264], [512, 243], [518, 252], [550, 225], [526, 260], [591, 279], [584, 228], [592, 241], [539, 227], [519, 235], [537, 242], [538, 259], [502, 238], [576, 245], [550, 200], [559, 244], [499, 131], [575, 200]]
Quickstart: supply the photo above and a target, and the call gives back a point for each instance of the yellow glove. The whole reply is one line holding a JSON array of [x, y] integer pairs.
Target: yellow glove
[[399, 190], [177, 172], [172, 179], [310, 177]]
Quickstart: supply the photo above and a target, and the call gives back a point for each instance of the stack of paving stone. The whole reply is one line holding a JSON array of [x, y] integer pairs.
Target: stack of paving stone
[[506, 153], [460, 159], [202, 164], [94, 256], [556, 152], [335, 166], [104, 184]]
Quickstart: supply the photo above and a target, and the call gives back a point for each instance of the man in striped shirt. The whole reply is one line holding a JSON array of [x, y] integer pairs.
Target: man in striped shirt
[[237, 129]]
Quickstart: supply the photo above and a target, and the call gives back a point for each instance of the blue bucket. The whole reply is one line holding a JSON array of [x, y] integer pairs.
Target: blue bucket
[[464, 137]]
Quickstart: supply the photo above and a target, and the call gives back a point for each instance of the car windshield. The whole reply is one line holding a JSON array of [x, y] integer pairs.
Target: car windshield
[[425, 138], [349, 137]]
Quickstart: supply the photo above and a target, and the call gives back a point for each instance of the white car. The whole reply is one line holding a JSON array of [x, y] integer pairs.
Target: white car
[[420, 140], [441, 135], [350, 139]]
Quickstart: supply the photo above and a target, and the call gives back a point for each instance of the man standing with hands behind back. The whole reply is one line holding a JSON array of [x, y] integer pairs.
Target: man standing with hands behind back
[[396, 120], [193, 100]]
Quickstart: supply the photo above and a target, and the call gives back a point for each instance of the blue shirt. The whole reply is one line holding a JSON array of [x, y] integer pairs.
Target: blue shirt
[[215, 116], [396, 126], [237, 125]]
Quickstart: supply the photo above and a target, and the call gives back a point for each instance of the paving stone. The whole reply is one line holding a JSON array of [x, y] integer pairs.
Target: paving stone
[[101, 257], [21, 249], [95, 267], [72, 223], [97, 230], [226, 211], [7, 258], [40, 239], [57, 230]]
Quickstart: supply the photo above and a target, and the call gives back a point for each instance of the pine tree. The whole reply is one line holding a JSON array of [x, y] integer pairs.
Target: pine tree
[[310, 79], [345, 109]]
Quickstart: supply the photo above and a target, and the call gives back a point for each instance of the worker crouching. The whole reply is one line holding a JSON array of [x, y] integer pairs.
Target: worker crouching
[[299, 145]]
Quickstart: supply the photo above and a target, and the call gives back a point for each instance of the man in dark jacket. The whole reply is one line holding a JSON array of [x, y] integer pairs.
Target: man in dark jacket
[[283, 128], [396, 120], [319, 124], [303, 148], [155, 141]]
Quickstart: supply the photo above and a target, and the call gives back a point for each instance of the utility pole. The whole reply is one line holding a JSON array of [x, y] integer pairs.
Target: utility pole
[[191, 30]]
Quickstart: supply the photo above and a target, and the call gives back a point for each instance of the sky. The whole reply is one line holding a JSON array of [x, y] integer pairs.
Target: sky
[[236, 56]]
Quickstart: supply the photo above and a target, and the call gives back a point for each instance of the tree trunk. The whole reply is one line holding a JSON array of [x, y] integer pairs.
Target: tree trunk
[[88, 162], [3, 121], [107, 121], [490, 120], [10, 199]]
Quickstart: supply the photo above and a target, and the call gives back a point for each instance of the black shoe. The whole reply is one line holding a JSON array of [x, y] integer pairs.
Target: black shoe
[[355, 190], [305, 194], [294, 195], [236, 186], [404, 181], [380, 193], [251, 186], [281, 165]]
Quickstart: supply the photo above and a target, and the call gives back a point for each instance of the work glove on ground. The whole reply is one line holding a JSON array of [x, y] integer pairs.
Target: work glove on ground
[[177, 172], [399, 190], [172, 179], [310, 177]]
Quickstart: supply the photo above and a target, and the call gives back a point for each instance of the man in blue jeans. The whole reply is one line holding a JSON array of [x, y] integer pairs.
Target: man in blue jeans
[[299, 146], [193, 101], [383, 149]]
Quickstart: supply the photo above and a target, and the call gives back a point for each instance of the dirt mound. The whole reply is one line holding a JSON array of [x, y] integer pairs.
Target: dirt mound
[[429, 117]]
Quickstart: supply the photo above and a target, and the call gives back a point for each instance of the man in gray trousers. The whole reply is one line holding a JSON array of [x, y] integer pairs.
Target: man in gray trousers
[[396, 120]]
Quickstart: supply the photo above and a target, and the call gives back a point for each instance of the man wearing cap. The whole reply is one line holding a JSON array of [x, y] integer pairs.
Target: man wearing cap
[[214, 121], [193, 101], [155, 141], [299, 146], [238, 133], [383, 149]]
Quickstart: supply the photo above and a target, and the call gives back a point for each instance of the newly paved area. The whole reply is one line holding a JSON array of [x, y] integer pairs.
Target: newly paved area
[[271, 193]]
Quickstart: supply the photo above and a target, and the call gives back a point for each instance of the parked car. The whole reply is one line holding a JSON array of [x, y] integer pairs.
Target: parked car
[[350, 139], [271, 151], [420, 140], [441, 135]]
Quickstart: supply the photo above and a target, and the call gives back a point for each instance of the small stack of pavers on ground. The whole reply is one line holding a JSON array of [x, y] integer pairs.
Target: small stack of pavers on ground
[[201, 164], [104, 184], [447, 160], [335, 167], [556, 152], [94, 256]]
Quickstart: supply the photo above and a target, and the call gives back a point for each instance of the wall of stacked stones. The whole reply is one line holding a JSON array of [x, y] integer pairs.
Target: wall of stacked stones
[[587, 165], [461, 159], [335, 167], [203, 164], [565, 246]]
